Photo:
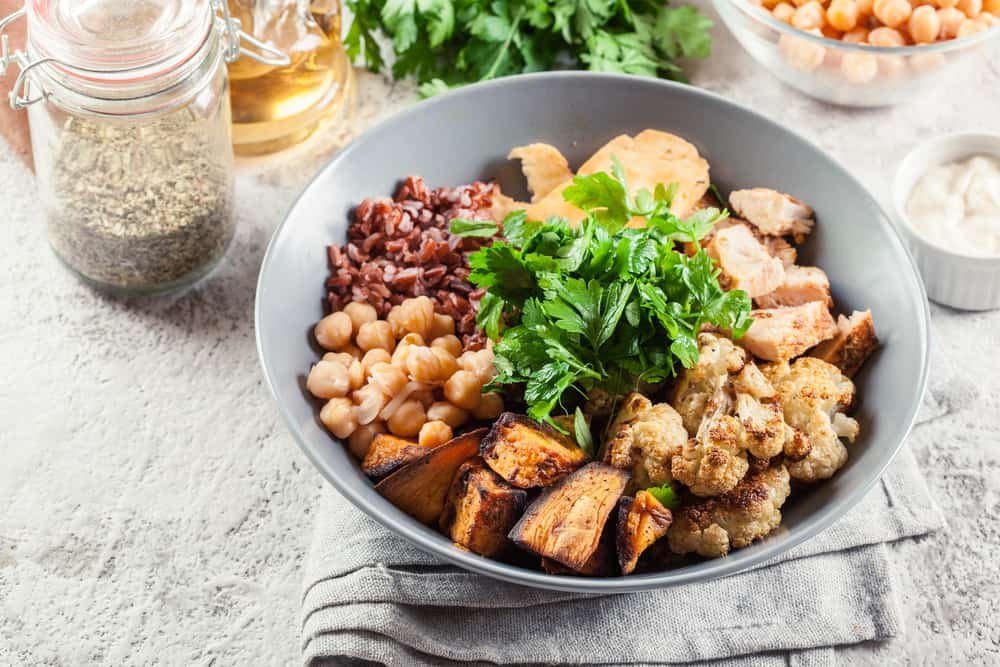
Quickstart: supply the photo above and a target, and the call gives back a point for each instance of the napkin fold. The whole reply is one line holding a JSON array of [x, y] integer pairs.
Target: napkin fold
[[372, 598]]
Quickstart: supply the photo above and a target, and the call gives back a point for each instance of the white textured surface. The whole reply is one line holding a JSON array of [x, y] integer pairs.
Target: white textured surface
[[154, 511]]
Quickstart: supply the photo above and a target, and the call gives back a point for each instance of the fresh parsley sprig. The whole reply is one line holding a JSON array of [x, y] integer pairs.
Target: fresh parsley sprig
[[444, 43], [598, 305]]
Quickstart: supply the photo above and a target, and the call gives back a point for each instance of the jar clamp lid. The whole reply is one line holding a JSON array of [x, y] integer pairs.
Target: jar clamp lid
[[118, 46]]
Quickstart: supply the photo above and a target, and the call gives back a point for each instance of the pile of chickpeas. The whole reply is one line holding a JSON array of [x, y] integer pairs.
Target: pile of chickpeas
[[883, 23], [406, 374]]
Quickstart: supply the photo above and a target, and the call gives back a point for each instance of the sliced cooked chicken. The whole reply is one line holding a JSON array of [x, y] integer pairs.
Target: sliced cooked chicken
[[543, 166], [504, 205], [778, 247], [745, 262], [774, 213], [649, 158], [855, 340], [801, 285], [780, 334]]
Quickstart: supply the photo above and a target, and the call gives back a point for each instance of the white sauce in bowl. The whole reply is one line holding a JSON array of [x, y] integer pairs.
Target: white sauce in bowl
[[957, 206]]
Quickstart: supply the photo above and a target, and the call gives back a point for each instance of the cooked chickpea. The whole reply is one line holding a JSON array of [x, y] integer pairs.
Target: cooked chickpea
[[992, 6], [799, 3], [353, 351], [388, 378], [479, 363], [885, 37], [924, 24], [340, 357], [926, 62], [423, 366], [338, 416], [434, 433], [395, 320], [969, 27], [865, 8], [450, 414], [376, 356], [842, 15], [856, 36], [989, 20], [374, 335], [328, 379], [407, 421], [361, 439], [783, 12], [950, 19], [892, 13], [447, 361], [970, 8], [356, 373], [808, 16], [859, 67], [464, 390], [801, 55], [360, 313], [892, 66], [416, 316], [443, 325], [333, 332], [449, 342], [768, 4], [425, 396], [489, 407], [369, 401]]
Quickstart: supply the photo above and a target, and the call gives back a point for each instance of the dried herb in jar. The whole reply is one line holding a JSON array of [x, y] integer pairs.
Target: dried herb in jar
[[141, 206]]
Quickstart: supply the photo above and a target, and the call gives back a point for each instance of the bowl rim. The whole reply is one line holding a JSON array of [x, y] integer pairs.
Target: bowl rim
[[753, 11], [714, 569], [919, 160]]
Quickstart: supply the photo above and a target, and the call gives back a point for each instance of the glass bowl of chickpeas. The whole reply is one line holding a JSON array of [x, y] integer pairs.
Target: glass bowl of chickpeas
[[863, 53]]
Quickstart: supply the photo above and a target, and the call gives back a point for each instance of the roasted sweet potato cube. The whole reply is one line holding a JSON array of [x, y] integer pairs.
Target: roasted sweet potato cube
[[419, 488], [387, 453], [528, 454], [642, 520], [600, 564], [481, 509], [565, 523]]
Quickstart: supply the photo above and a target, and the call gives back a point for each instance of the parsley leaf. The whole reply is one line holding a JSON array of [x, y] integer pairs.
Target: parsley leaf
[[447, 43], [666, 495], [475, 228]]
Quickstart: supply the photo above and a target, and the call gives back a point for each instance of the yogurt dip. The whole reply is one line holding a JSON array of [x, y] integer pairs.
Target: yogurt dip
[[956, 206]]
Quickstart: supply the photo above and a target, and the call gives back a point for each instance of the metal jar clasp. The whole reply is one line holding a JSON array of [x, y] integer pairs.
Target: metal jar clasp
[[25, 65]]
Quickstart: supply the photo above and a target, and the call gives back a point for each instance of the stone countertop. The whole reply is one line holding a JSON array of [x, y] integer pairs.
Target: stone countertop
[[155, 511]]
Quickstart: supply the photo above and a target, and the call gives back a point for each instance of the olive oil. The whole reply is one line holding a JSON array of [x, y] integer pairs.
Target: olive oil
[[277, 107]]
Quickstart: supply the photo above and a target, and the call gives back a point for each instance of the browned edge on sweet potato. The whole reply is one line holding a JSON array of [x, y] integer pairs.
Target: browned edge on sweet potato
[[419, 487], [388, 453], [566, 522], [528, 454], [600, 564], [480, 509], [642, 520]]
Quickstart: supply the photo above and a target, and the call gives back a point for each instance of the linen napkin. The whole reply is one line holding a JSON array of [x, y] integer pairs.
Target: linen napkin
[[372, 598]]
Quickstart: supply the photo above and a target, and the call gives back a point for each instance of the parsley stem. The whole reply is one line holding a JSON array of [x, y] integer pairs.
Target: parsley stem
[[506, 45]]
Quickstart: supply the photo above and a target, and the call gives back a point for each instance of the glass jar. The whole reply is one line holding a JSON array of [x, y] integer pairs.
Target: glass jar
[[128, 105], [278, 106]]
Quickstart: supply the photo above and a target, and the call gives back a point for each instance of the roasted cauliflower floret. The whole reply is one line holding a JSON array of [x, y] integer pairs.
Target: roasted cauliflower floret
[[643, 438], [712, 527], [714, 461], [718, 357], [815, 395], [733, 409]]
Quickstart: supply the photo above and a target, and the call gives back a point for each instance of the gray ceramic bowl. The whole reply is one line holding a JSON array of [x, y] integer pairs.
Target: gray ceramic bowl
[[466, 134]]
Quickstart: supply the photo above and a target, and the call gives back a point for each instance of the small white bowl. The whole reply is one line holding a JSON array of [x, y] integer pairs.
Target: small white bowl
[[953, 279]]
